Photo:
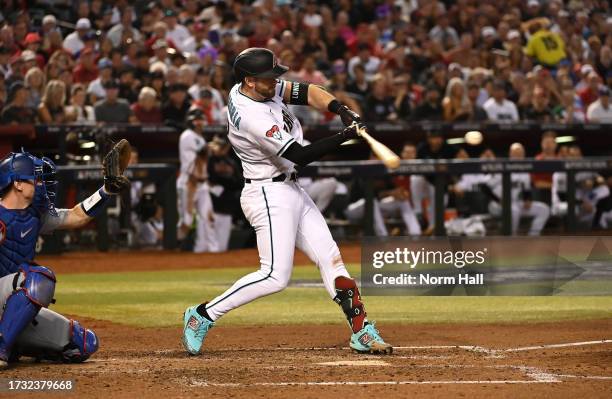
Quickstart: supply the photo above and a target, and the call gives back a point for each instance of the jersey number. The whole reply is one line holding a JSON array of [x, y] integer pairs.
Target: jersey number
[[550, 43]]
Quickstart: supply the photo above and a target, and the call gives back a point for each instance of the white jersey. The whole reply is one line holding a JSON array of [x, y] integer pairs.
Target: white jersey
[[261, 131], [190, 143], [520, 182]]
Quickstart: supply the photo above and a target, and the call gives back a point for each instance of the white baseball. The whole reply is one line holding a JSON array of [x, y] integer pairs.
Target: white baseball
[[473, 137]]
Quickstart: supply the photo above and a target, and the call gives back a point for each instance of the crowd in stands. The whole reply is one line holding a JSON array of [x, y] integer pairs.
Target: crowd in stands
[[95, 61]]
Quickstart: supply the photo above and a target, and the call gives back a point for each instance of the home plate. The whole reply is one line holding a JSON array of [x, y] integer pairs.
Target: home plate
[[355, 363]]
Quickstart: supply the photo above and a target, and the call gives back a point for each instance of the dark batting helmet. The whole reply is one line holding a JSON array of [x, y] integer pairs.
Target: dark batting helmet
[[257, 62]]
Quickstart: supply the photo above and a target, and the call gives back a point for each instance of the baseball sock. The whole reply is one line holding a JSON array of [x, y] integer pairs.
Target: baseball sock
[[348, 297], [201, 309]]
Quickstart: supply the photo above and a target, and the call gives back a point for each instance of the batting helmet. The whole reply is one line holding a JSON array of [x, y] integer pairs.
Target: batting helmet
[[18, 166], [257, 62]]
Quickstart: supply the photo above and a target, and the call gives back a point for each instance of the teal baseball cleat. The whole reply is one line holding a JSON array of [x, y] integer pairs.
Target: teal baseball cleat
[[368, 340], [195, 328]]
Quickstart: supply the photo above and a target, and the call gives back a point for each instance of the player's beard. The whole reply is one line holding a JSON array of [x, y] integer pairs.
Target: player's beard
[[267, 91]]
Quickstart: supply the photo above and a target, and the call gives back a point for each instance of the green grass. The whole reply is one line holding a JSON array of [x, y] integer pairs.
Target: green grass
[[156, 299]]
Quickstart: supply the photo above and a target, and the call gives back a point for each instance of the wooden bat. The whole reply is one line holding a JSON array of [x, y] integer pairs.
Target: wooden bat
[[382, 152]]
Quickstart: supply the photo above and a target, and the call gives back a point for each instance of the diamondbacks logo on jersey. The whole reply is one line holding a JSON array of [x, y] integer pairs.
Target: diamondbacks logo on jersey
[[288, 120], [275, 133], [2, 231]]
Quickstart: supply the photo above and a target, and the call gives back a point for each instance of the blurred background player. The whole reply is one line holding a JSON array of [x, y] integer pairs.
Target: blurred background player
[[225, 183], [194, 202]]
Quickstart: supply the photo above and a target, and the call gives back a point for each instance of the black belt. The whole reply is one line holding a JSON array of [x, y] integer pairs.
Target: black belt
[[279, 178]]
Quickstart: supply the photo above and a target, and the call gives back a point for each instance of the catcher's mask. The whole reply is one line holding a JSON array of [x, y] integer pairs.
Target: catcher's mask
[[23, 166]]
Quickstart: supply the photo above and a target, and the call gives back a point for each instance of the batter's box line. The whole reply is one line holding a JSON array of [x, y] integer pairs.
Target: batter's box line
[[197, 383]]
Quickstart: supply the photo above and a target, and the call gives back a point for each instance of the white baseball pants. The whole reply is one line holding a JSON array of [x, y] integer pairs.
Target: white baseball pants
[[538, 211], [284, 217]]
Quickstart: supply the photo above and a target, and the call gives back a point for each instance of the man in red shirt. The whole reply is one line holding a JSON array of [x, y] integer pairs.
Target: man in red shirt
[[589, 93], [549, 151], [86, 70]]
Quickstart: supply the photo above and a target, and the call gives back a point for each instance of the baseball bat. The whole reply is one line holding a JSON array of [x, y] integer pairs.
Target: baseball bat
[[382, 152]]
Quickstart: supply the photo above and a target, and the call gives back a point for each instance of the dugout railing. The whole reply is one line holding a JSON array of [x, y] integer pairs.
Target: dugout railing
[[440, 170], [90, 177]]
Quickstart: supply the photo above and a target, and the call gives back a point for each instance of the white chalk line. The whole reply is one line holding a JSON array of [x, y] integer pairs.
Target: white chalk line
[[196, 383], [564, 345], [470, 348]]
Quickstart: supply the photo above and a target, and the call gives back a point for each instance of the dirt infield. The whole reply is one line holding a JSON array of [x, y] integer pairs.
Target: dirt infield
[[561, 359], [289, 361]]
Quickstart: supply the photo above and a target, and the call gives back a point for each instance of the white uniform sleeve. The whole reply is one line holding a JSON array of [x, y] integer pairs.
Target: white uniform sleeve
[[48, 222], [269, 136]]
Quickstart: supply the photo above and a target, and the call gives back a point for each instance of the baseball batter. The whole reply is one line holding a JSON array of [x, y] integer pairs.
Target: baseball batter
[[267, 138], [27, 326]]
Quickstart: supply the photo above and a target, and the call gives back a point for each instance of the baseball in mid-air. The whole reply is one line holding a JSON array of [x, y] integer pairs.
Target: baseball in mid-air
[[473, 137]]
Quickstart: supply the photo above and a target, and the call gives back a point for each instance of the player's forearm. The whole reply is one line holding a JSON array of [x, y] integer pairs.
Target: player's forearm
[[303, 155], [319, 98], [76, 218]]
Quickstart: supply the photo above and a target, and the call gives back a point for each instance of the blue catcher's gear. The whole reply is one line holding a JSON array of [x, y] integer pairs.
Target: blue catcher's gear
[[39, 284], [18, 166], [18, 234], [83, 343], [23, 304]]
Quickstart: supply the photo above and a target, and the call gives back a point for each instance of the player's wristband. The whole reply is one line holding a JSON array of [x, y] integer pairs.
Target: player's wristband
[[345, 113], [96, 202]]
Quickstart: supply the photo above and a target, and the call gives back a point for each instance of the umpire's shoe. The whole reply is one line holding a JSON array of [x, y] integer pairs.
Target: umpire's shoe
[[368, 340], [195, 329]]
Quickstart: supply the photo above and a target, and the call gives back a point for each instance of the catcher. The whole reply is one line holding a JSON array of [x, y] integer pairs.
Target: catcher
[[27, 193]]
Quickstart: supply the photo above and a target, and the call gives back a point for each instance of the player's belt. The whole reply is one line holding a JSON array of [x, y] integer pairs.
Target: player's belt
[[279, 178]]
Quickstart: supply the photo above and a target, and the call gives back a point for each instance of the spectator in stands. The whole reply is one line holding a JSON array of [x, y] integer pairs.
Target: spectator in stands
[[5, 66], [35, 83], [309, 73], [174, 111], [546, 47], [74, 41], [430, 108], [443, 33], [124, 30], [379, 105], [146, 109], [590, 90], [548, 146], [498, 108], [477, 113], [364, 57], [86, 70], [456, 105], [17, 111], [539, 109], [569, 110], [96, 88], [199, 39], [359, 85], [176, 32], [402, 87], [78, 111], [600, 111], [51, 107], [113, 109], [128, 87]]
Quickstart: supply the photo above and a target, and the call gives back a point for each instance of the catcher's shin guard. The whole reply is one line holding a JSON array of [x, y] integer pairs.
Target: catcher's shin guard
[[348, 297]]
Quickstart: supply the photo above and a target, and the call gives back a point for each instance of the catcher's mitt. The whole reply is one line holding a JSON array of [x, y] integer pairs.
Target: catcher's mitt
[[114, 164]]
